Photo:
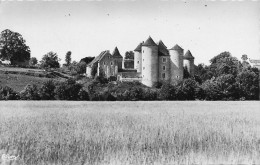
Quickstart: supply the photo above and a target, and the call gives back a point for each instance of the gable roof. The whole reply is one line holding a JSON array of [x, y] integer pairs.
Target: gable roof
[[149, 42], [138, 48], [162, 49], [99, 57], [116, 53], [176, 47], [188, 55]]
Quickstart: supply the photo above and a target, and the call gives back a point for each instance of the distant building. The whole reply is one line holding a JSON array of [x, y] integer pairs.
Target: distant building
[[152, 63]]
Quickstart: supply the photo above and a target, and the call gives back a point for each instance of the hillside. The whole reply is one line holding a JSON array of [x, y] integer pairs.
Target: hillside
[[18, 78]]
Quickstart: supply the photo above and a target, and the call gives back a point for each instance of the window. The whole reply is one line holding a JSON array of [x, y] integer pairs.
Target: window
[[164, 67], [143, 59], [143, 51], [104, 63], [137, 62], [177, 77], [143, 68], [143, 75], [163, 75], [163, 60], [111, 63]]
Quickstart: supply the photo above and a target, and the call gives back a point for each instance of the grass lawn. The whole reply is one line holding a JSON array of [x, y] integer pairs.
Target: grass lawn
[[59, 132], [17, 81]]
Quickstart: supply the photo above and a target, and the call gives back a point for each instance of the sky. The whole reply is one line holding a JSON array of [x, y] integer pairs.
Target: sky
[[86, 28]]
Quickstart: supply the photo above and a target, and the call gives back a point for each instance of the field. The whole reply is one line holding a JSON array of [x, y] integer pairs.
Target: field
[[57, 132]]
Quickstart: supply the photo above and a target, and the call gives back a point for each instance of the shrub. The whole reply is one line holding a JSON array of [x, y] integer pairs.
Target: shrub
[[83, 94], [7, 93], [167, 92], [46, 92], [186, 89], [149, 94], [30, 92], [68, 90]]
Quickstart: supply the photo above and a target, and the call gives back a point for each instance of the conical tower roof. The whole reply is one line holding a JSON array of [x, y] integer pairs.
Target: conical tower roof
[[149, 42], [162, 49], [176, 47], [188, 55], [138, 48], [116, 53]]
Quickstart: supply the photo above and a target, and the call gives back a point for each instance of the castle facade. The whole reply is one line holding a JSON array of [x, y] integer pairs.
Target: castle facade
[[153, 63]]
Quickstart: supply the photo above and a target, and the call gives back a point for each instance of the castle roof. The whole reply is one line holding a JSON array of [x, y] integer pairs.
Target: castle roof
[[138, 48], [116, 53], [188, 55], [149, 42], [99, 57], [162, 49], [176, 47]]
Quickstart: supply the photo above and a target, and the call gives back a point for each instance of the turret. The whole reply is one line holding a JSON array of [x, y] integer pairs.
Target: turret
[[138, 58], [149, 62], [118, 59], [176, 56], [164, 62], [188, 61]]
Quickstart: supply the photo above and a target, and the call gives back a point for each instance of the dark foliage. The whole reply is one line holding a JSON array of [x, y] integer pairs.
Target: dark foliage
[[46, 92], [30, 92], [50, 60], [13, 47], [68, 90], [87, 59], [7, 93]]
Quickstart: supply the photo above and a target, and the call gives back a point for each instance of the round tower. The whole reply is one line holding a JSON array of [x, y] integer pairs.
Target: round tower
[[176, 56], [138, 58], [149, 62], [188, 61]]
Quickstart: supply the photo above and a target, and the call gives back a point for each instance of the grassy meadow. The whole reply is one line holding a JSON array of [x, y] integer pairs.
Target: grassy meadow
[[57, 132]]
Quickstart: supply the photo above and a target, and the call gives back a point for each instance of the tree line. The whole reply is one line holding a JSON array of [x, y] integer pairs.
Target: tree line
[[226, 78]]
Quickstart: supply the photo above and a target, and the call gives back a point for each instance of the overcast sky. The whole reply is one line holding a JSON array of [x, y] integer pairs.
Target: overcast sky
[[87, 28]]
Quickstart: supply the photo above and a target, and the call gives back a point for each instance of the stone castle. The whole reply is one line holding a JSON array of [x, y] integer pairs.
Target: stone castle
[[153, 63]]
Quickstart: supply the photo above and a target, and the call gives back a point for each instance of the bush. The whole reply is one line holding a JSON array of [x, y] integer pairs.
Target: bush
[[30, 92], [46, 92], [7, 93], [167, 92], [68, 90], [186, 89], [149, 94], [83, 95]]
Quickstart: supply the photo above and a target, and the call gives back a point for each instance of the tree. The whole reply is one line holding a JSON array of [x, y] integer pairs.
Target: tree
[[129, 55], [50, 60], [13, 47], [248, 82], [68, 58], [224, 63], [186, 90], [87, 59], [46, 91], [33, 61]]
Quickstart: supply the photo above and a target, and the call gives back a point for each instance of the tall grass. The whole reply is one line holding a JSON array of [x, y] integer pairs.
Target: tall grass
[[131, 132]]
